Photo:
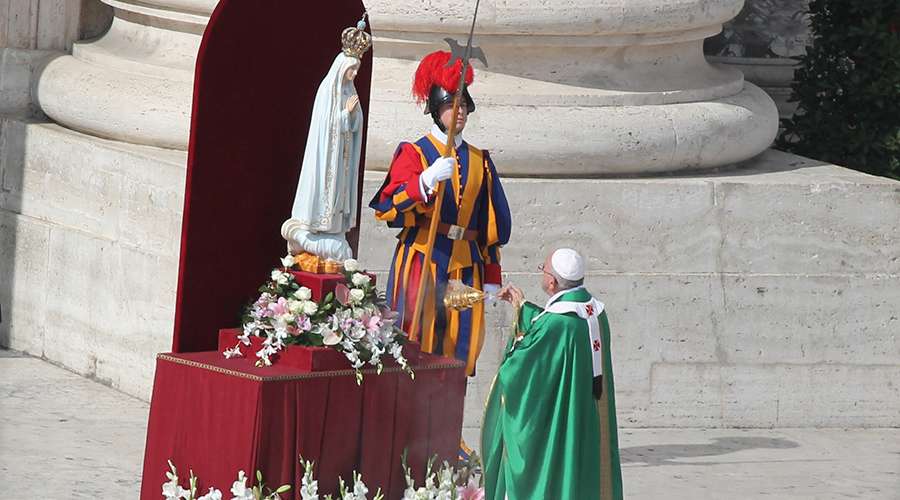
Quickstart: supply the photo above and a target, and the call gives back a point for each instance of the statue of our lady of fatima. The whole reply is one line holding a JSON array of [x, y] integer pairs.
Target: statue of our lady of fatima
[[325, 205]]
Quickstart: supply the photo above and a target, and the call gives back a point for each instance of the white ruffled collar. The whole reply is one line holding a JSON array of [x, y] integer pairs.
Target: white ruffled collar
[[442, 137]]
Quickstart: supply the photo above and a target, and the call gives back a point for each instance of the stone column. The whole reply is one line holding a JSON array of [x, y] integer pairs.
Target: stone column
[[577, 87], [134, 83], [32, 31]]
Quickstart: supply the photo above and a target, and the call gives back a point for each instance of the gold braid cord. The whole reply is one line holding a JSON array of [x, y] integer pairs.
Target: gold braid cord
[[301, 376]]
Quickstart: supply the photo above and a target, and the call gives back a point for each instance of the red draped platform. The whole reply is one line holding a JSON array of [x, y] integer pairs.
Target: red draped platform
[[217, 416]]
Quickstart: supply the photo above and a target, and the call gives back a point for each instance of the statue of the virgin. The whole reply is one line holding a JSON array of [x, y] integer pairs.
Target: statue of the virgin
[[325, 205]]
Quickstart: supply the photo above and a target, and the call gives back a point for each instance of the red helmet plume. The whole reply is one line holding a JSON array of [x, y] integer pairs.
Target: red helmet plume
[[433, 70]]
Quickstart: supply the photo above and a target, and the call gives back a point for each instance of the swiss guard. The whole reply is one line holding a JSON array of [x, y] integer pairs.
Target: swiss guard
[[474, 217]]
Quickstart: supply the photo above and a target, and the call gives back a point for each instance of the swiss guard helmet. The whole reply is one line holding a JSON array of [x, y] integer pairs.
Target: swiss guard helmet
[[435, 84]]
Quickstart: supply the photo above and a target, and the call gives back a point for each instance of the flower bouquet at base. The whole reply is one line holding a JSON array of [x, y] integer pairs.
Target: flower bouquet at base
[[354, 320]]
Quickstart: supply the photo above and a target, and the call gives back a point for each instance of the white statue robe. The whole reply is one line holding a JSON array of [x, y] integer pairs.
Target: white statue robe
[[325, 204]]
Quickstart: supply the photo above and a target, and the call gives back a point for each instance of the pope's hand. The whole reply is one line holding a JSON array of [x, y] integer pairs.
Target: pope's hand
[[440, 170], [512, 295], [352, 102]]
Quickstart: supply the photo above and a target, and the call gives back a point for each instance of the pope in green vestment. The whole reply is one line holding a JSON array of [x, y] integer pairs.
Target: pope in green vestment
[[549, 428]]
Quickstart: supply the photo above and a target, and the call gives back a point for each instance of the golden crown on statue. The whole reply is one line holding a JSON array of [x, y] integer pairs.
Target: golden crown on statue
[[356, 41]]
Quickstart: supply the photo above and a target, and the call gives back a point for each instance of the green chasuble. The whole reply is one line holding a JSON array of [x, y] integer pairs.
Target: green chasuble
[[545, 435]]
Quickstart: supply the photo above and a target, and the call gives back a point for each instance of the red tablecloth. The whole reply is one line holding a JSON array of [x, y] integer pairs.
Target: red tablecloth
[[218, 416]]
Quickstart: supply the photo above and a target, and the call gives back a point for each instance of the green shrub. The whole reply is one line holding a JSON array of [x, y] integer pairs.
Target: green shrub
[[848, 87]]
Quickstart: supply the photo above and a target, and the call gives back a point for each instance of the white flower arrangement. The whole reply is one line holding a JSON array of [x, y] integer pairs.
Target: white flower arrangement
[[439, 484], [354, 320], [447, 483], [171, 489]]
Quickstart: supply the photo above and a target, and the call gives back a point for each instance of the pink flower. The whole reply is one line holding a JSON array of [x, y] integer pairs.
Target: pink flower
[[303, 323], [260, 307], [388, 314], [279, 308], [347, 325], [471, 493], [372, 323], [342, 294]]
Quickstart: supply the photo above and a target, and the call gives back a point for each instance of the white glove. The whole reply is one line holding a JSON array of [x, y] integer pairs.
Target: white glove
[[490, 291], [440, 170]]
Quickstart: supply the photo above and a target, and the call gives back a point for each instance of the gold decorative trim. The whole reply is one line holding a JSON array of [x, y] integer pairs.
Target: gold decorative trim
[[301, 376]]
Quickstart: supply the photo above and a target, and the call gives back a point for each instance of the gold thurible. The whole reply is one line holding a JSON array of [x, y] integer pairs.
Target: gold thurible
[[460, 296]]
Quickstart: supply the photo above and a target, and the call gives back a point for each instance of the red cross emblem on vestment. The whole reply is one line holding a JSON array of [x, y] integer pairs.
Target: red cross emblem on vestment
[[590, 309], [596, 346]]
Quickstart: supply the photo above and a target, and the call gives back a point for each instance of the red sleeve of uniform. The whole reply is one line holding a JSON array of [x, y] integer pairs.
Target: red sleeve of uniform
[[492, 274], [404, 173]]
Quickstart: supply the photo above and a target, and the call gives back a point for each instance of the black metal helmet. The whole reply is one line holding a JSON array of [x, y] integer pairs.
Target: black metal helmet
[[437, 97]]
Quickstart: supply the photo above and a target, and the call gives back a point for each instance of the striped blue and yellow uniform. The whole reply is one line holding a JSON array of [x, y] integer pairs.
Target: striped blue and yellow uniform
[[474, 200]]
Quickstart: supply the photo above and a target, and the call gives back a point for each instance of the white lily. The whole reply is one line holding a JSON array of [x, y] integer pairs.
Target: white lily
[[359, 487], [239, 488], [171, 490], [213, 494], [332, 337], [234, 352], [309, 489]]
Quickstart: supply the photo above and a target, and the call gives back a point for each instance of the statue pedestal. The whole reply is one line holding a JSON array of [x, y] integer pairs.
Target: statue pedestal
[[217, 416], [320, 284]]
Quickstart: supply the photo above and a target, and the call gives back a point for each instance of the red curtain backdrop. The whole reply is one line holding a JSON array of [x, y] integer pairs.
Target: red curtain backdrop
[[259, 65]]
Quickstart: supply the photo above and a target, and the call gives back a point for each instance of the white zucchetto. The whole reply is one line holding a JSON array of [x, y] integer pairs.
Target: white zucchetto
[[568, 264]]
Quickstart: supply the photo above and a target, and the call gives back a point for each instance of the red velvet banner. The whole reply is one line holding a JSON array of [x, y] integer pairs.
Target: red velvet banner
[[258, 69], [217, 416]]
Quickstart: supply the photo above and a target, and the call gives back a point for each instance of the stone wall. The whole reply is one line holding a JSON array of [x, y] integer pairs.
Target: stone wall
[[89, 241], [764, 297]]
